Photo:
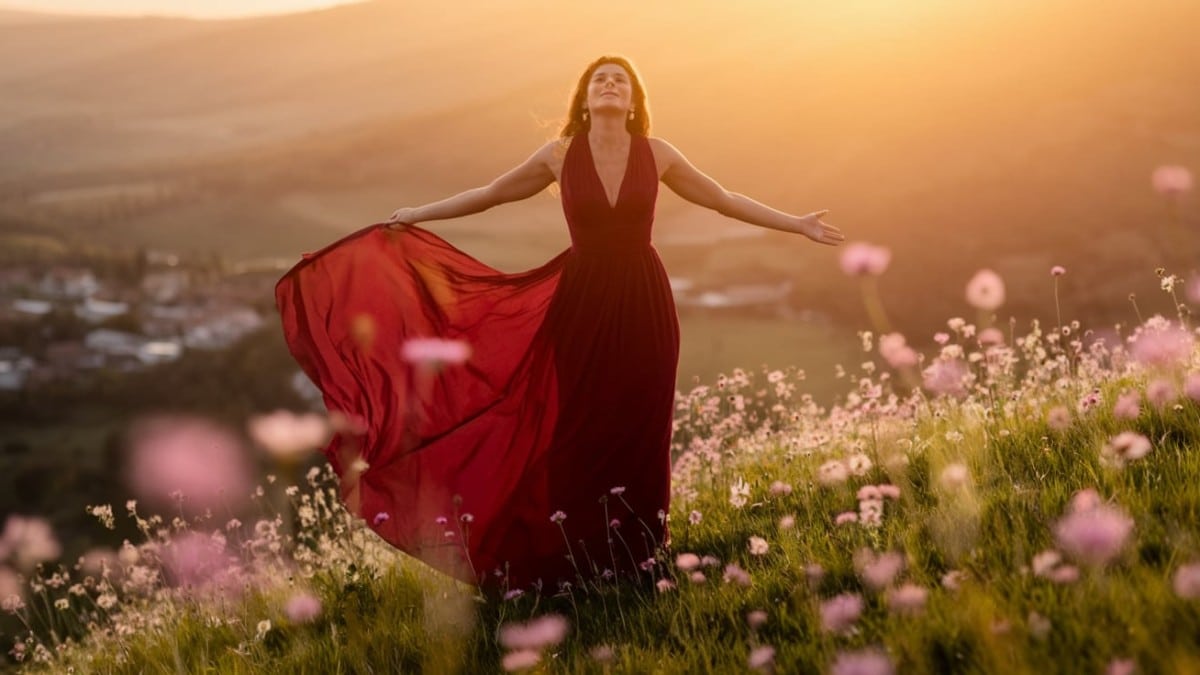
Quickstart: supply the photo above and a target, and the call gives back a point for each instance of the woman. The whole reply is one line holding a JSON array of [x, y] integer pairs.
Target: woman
[[544, 458]]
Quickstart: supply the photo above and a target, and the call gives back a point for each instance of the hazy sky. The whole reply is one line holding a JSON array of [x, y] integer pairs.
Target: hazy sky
[[191, 8]]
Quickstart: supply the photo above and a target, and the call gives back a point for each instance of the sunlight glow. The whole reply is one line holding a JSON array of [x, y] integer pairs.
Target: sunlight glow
[[196, 9]]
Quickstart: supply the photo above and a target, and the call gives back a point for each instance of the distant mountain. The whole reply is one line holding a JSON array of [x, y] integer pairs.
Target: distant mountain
[[1013, 135]]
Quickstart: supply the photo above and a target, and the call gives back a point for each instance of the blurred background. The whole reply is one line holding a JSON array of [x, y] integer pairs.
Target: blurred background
[[163, 163]]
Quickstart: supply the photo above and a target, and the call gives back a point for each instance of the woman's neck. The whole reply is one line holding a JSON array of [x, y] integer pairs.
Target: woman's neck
[[608, 130]]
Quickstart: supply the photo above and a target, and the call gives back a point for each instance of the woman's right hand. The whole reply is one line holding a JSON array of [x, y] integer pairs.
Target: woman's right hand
[[401, 218]]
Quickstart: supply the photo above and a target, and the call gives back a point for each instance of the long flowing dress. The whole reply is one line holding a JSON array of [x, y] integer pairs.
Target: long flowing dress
[[564, 407]]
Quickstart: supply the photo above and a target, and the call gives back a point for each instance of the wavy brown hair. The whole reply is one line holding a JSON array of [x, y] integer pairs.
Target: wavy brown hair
[[575, 124]]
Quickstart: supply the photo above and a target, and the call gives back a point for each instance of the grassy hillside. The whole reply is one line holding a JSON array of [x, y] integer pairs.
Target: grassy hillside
[[1031, 508]]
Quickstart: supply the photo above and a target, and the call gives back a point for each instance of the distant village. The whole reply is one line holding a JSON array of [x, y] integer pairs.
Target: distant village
[[123, 324]]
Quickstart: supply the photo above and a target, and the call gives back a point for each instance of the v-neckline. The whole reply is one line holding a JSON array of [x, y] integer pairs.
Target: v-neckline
[[600, 181]]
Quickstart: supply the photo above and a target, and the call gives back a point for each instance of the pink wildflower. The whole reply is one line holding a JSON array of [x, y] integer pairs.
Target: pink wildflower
[[861, 259], [1094, 536], [756, 618], [953, 580], [602, 653], [878, 571], [541, 632], [858, 464], [845, 518], [758, 546], [1191, 386], [618, 490], [1121, 667], [1045, 562], [839, 613], [1064, 574], [1057, 271], [787, 522], [1160, 392], [895, 350], [687, 561], [945, 377], [523, 659], [780, 488], [196, 560], [814, 573], [1123, 448], [11, 588], [434, 352], [1160, 344], [865, 662], [1127, 407], [695, 517], [985, 290], [1170, 180], [697, 577], [832, 472], [1058, 418], [664, 585], [907, 599], [734, 574], [192, 456], [1084, 500], [380, 518], [991, 336], [1186, 581], [287, 436], [558, 517], [761, 658], [29, 541], [302, 608], [869, 492], [889, 491]]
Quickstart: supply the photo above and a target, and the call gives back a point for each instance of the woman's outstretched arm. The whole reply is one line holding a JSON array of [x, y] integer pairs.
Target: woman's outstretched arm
[[521, 182], [688, 182]]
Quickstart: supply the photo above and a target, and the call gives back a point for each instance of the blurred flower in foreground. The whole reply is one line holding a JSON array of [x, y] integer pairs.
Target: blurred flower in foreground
[[198, 560], [863, 259], [520, 660], [302, 608], [193, 457], [288, 436], [1171, 179], [985, 290], [878, 571], [762, 658], [840, 612], [434, 352], [945, 376], [11, 588], [1187, 581], [28, 541], [1161, 343], [544, 631], [895, 350], [865, 662], [1124, 448], [1093, 533]]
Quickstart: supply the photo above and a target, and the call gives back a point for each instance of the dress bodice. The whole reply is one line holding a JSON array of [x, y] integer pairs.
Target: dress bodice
[[595, 224]]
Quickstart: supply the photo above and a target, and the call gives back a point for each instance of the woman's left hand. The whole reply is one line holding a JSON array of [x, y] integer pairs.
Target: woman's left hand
[[819, 231]]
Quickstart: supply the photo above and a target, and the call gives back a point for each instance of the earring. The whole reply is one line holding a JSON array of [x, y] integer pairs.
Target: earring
[[631, 113], [585, 115]]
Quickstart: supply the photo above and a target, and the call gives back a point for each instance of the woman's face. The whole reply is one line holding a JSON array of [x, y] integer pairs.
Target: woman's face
[[609, 90]]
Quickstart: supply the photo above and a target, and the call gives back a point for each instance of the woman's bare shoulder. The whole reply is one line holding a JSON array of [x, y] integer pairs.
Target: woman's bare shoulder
[[665, 154]]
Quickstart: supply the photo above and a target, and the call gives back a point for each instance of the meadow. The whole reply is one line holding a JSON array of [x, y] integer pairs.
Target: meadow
[[1019, 499]]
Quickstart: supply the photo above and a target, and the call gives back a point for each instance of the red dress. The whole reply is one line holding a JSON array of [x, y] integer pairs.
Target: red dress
[[568, 393]]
